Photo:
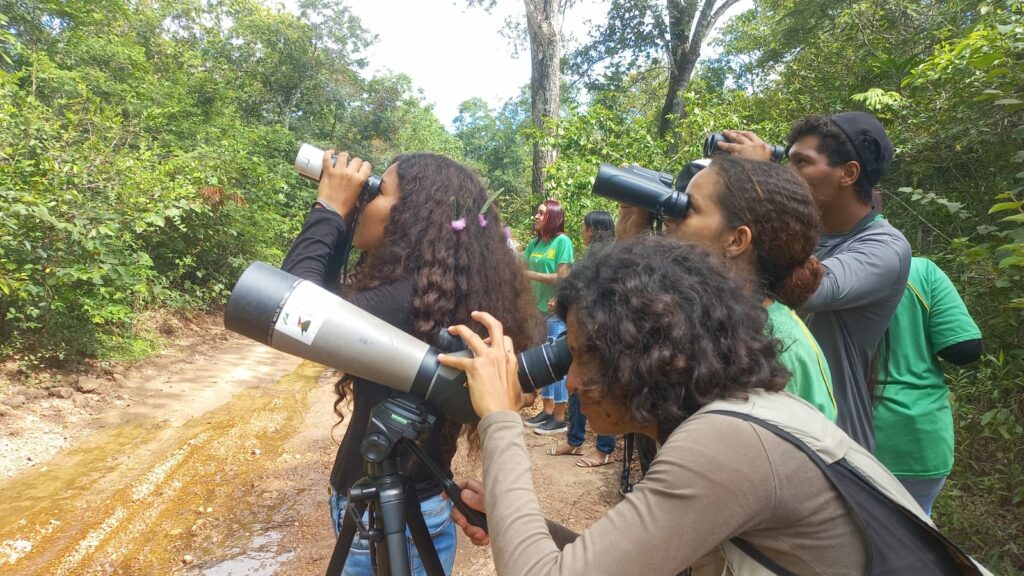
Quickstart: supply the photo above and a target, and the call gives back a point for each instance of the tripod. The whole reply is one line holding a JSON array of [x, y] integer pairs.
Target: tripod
[[389, 497]]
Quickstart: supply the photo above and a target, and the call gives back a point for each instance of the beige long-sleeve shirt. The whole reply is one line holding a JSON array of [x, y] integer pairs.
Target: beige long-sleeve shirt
[[715, 478]]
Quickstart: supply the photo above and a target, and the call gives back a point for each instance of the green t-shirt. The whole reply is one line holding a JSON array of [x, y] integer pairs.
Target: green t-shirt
[[810, 377], [544, 257], [913, 419]]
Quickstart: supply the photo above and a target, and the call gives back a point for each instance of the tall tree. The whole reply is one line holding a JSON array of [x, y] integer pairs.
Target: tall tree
[[669, 33], [544, 29]]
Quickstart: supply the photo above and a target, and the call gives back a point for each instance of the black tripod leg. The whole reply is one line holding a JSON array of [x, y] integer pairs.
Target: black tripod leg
[[420, 534], [393, 519], [625, 487], [349, 521]]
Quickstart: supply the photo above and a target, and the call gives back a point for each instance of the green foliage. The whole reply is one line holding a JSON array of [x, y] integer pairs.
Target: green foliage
[[145, 154]]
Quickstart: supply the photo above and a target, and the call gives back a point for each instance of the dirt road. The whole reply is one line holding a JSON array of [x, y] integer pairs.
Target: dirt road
[[215, 463]]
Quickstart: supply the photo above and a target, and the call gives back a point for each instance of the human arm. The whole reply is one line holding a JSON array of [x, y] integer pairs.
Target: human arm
[[563, 271], [953, 334], [962, 353], [680, 511], [631, 222], [563, 258], [745, 144], [318, 253], [868, 268]]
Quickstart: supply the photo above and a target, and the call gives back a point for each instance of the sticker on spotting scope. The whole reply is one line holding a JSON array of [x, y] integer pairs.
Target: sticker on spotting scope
[[304, 312]]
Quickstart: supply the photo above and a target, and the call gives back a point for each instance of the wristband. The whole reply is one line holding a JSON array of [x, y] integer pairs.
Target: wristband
[[323, 204]]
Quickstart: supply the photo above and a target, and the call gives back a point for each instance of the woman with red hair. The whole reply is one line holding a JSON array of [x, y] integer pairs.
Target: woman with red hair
[[548, 257]]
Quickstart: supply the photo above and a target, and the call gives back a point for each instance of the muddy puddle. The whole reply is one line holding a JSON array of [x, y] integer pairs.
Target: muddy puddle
[[148, 498]]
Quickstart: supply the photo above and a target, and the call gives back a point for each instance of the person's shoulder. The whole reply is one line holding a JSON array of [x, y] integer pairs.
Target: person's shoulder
[[711, 430], [388, 301], [883, 228]]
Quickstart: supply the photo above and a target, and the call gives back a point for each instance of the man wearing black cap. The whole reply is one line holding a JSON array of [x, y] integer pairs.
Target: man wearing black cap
[[866, 260]]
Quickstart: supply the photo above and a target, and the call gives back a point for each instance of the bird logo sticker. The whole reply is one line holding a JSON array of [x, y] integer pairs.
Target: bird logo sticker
[[303, 313]]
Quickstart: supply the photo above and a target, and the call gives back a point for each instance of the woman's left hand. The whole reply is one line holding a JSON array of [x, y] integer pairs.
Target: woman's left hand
[[492, 373]]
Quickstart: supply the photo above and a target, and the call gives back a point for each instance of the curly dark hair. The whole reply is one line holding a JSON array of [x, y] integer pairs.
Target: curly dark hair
[[777, 206], [453, 272], [669, 330], [834, 144]]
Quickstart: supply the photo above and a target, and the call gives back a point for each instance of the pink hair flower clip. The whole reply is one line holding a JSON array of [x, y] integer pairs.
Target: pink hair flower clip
[[459, 216]]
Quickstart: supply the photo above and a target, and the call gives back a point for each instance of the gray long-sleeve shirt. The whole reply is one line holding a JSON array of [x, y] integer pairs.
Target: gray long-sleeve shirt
[[865, 275]]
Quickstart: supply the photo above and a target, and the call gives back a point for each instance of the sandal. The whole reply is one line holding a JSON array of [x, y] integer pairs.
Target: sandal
[[560, 450], [588, 462]]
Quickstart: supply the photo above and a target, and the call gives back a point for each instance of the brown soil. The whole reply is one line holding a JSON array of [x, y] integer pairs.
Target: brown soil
[[209, 458]]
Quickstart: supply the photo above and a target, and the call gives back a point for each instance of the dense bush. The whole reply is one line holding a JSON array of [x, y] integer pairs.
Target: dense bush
[[145, 153]]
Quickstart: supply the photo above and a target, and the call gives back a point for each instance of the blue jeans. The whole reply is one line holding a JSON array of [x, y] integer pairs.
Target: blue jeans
[[578, 428], [557, 391], [437, 512], [924, 491]]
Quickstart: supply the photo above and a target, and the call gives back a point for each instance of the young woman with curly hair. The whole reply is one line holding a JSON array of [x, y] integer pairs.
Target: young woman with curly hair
[[748, 480], [760, 220], [429, 258]]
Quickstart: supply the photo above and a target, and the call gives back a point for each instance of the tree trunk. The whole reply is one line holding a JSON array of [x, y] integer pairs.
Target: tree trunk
[[685, 40], [544, 24]]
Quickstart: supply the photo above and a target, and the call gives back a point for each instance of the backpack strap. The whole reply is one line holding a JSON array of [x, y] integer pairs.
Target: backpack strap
[[933, 547]]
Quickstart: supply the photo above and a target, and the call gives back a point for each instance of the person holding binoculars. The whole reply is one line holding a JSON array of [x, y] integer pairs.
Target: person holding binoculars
[[748, 480], [866, 260], [433, 250], [759, 220]]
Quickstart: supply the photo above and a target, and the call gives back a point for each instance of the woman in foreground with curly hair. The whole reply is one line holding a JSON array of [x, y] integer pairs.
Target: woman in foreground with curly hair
[[748, 480], [433, 251]]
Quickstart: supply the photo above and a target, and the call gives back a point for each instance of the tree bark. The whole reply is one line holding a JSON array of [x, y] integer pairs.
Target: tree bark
[[690, 21], [544, 25]]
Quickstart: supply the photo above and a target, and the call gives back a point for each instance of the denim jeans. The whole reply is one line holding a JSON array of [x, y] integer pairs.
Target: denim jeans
[[556, 391], [437, 512], [578, 428], [924, 491]]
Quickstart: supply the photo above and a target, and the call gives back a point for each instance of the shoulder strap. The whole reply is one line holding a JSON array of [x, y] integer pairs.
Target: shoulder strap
[[849, 482], [769, 564]]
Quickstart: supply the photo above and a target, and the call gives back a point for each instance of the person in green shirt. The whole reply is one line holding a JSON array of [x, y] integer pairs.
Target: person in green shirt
[[912, 418], [548, 257], [760, 219]]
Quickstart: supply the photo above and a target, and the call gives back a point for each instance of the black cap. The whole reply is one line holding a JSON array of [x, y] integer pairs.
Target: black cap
[[688, 172], [869, 141]]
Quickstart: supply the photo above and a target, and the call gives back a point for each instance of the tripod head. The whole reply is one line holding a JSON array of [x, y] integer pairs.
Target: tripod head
[[392, 421], [388, 495]]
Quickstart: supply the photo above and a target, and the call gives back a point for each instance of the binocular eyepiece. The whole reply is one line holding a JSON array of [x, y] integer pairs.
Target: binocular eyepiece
[[309, 163]]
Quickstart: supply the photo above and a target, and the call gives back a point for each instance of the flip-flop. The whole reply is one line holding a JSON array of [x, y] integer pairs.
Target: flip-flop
[[587, 462], [576, 451]]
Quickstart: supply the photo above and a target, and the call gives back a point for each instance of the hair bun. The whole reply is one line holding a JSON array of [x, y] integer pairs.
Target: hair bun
[[801, 283]]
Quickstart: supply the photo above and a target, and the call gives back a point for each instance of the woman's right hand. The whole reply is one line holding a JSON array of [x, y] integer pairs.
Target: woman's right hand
[[472, 493], [632, 221], [342, 182]]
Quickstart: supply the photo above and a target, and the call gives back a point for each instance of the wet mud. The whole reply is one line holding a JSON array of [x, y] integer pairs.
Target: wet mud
[[145, 498]]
